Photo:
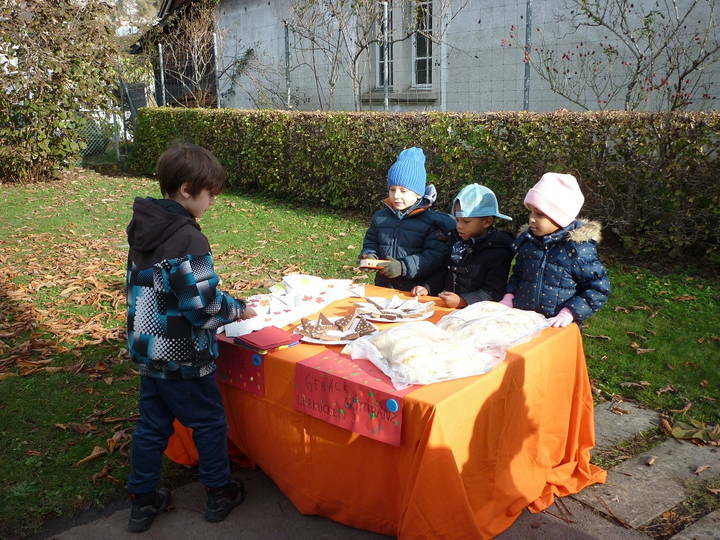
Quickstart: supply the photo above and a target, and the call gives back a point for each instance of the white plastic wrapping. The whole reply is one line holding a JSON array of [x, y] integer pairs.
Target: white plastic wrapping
[[421, 353], [469, 341], [493, 326]]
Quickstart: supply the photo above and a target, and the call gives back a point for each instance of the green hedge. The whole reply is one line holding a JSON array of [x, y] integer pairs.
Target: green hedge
[[653, 179]]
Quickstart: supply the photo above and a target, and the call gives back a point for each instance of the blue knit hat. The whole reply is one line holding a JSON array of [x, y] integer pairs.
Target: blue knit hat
[[477, 201], [409, 171]]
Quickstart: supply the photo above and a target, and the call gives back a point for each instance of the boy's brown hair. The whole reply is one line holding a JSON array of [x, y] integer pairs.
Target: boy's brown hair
[[192, 164]]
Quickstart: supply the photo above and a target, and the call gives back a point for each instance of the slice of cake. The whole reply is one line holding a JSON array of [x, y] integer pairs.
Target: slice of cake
[[323, 323], [345, 323], [364, 328]]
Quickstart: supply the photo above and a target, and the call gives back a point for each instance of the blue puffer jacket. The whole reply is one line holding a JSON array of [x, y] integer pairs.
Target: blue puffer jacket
[[560, 270], [417, 238]]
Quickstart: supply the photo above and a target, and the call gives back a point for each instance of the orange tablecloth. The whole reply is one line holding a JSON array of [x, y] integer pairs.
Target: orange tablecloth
[[475, 452]]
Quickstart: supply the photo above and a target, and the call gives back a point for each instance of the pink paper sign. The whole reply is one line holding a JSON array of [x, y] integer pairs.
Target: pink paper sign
[[351, 394], [240, 367]]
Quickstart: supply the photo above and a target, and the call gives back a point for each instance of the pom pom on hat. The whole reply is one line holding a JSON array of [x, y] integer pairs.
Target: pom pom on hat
[[477, 201], [558, 196], [408, 171]]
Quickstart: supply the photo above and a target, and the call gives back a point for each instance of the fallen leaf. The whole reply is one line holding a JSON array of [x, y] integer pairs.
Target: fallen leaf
[[684, 298], [76, 427], [115, 441], [104, 473], [96, 453], [33, 452], [618, 410], [696, 430], [643, 351], [112, 419], [620, 308], [664, 389], [704, 383], [685, 409], [701, 468], [603, 337], [715, 491], [641, 384], [650, 461], [666, 426]]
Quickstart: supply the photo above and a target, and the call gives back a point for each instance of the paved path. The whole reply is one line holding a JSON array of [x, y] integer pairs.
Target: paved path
[[634, 495]]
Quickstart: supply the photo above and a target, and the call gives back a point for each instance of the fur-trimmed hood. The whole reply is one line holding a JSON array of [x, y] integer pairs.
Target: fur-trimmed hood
[[579, 231]]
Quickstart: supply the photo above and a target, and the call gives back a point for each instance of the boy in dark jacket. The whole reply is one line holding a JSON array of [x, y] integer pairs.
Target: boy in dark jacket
[[557, 270], [406, 233], [480, 258], [174, 309]]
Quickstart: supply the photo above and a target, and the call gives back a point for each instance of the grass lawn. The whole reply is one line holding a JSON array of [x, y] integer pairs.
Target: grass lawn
[[68, 395]]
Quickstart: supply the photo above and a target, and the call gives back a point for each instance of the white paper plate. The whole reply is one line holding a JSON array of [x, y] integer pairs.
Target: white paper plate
[[380, 319], [340, 340]]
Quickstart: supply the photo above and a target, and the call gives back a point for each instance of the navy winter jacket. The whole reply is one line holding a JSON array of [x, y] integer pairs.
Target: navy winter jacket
[[174, 305], [477, 269], [418, 239], [560, 270]]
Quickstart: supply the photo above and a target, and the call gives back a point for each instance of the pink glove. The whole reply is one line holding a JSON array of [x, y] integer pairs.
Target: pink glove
[[507, 300], [563, 318]]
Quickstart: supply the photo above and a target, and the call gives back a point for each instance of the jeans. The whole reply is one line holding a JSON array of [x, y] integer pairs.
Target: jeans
[[197, 404]]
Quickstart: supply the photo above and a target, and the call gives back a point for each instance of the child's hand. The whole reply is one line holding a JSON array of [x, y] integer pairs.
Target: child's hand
[[562, 319], [452, 300], [507, 300], [419, 290], [248, 313], [391, 268]]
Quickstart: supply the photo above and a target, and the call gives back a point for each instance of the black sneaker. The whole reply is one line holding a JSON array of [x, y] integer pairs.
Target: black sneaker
[[222, 500], [145, 506]]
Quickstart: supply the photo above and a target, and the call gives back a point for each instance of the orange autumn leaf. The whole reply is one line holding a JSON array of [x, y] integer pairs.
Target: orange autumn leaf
[[685, 409], [77, 427], [104, 473], [96, 453]]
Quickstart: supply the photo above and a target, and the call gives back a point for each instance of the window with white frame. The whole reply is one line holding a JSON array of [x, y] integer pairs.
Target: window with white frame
[[384, 56], [422, 45]]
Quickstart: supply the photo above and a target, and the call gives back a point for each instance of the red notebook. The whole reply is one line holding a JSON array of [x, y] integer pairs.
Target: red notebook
[[268, 338]]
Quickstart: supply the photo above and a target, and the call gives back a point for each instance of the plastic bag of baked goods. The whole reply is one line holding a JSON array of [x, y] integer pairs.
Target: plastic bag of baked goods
[[492, 327], [421, 353]]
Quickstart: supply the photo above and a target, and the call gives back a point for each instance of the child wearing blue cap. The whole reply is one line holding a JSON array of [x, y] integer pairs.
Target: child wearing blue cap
[[406, 234], [479, 261]]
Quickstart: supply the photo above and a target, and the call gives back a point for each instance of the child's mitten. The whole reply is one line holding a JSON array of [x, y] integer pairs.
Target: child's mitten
[[391, 268], [563, 318], [507, 300]]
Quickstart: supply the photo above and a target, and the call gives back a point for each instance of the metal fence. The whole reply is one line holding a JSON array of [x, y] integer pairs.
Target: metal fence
[[108, 134]]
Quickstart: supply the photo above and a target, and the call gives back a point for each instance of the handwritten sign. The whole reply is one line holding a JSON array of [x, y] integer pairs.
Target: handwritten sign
[[240, 367], [351, 394]]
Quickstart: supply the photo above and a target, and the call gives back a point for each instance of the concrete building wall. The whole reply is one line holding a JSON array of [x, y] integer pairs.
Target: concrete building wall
[[478, 66]]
